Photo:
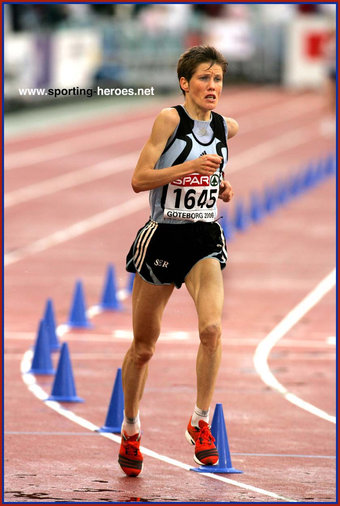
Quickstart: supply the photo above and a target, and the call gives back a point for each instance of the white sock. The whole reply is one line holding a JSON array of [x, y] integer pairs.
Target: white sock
[[199, 414], [131, 425]]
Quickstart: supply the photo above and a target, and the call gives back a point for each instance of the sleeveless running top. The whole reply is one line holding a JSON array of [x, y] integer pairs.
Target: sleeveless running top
[[192, 197]]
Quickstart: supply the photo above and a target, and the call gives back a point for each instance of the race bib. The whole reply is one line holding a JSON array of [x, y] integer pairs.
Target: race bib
[[193, 198]]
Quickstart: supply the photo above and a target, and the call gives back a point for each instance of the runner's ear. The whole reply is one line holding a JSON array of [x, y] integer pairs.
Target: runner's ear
[[184, 84]]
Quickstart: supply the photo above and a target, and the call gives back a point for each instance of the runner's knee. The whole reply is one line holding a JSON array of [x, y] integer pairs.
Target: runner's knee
[[142, 353], [210, 336]]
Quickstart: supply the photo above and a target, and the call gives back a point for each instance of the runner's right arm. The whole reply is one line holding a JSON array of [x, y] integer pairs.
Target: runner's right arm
[[146, 178]]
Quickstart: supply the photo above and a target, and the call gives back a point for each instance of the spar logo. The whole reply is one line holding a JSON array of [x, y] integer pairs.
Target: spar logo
[[193, 180]]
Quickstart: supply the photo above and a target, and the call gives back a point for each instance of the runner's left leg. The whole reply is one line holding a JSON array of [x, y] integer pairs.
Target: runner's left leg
[[205, 285]]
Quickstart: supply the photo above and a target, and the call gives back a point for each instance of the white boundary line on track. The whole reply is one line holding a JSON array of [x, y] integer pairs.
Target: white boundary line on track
[[69, 180], [122, 334], [122, 163], [110, 136], [264, 348], [30, 381], [130, 206], [77, 144], [77, 229]]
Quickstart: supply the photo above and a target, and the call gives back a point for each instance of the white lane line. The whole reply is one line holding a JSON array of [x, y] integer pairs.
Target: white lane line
[[240, 454], [252, 156], [70, 180], [110, 136], [164, 336], [77, 144], [77, 229], [161, 355], [173, 336], [277, 114], [264, 348], [29, 380], [106, 168], [265, 150], [115, 165]]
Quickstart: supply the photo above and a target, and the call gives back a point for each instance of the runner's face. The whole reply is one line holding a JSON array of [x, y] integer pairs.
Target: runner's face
[[205, 86]]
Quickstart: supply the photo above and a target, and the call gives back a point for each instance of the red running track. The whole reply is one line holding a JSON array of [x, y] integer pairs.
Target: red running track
[[69, 212]]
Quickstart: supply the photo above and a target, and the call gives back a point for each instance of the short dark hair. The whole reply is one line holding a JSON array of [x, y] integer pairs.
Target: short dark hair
[[189, 61]]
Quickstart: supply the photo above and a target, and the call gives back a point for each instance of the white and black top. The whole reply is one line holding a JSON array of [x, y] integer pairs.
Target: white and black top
[[193, 197]]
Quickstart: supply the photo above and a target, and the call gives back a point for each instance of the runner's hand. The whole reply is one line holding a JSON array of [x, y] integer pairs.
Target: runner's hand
[[226, 192], [207, 164]]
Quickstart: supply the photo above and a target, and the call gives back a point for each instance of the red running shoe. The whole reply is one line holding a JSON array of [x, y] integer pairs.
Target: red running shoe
[[206, 453], [130, 458]]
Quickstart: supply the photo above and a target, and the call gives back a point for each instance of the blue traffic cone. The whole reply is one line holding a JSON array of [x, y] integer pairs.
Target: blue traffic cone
[[42, 361], [219, 431], [330, 165], [78, 318], [63, 389], [115, 414], [130, 282], [269, 201], [51, 326], [293, 186], [109, 297], [241, 220], [282, 193], [256, 208], [319, 172], [316, 174], [227, 226], [309, 177]]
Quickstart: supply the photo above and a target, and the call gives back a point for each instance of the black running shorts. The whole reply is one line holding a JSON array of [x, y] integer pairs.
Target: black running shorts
[[163, 254]]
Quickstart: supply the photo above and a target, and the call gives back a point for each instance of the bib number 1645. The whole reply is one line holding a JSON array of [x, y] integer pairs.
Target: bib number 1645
[[192, 199]]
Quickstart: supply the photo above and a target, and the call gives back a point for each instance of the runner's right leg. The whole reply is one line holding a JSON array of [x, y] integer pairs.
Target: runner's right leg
[[148, 303]]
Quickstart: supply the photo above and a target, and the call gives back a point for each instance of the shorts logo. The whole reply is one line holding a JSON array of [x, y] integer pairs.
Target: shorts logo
[[161, 263]]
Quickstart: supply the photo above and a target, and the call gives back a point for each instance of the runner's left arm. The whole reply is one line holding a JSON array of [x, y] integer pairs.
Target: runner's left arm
[[232, 127], [226, 192]]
